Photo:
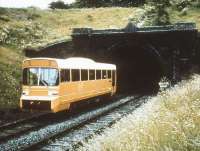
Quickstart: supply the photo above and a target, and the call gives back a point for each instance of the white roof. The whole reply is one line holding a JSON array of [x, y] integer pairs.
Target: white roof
[[79, 63]]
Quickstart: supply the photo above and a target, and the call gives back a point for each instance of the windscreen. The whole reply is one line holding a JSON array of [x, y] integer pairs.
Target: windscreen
[[40, 77]]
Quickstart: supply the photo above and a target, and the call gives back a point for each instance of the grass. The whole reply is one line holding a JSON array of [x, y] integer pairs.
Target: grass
[[169, 121]]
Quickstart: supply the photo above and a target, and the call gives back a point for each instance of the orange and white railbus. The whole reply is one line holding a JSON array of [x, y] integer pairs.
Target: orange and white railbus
[[53, 84]]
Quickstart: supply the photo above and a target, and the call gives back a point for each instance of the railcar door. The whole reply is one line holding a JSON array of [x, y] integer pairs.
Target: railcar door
[[113, 78]]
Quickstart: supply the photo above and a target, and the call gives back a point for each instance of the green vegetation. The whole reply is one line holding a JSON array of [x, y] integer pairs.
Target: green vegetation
[[10, 75], [169, 121], [59, 4]]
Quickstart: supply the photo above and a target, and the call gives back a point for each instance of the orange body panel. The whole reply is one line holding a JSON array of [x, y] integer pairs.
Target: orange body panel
[[39, 63], [74, 91], [38, 91]]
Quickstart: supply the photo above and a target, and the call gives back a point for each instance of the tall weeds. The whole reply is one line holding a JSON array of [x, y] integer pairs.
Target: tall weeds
[[169, 121]]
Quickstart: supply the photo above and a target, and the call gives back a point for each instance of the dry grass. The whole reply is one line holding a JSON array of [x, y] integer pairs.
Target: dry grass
[[10, 55], [170, 121]]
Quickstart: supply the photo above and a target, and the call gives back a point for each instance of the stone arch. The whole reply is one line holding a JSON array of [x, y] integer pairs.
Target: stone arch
[[140, 67]]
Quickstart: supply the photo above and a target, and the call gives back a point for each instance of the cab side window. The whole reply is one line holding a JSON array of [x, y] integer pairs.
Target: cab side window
[[75, 75], [65, 75]]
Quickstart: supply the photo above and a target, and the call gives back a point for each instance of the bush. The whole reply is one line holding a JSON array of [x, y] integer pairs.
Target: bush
[[58, 5], [3, 11], [157, 13], [10, 91], [179, 5], [4, 18], [184, 11], [196, 4], [22, 36]]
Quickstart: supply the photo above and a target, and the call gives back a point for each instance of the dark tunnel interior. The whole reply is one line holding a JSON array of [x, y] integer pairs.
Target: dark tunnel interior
[[138, 69]]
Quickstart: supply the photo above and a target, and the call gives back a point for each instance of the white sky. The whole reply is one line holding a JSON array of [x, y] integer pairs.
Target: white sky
[[26, 3]]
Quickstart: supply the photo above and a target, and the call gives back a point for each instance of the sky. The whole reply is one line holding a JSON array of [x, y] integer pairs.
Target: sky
[[43, 4]]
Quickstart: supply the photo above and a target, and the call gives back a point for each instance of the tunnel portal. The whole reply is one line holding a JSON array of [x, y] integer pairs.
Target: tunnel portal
[[138, 69]]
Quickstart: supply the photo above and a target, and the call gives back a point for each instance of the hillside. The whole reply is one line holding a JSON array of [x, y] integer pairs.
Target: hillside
[[20, 28], [42, 26]]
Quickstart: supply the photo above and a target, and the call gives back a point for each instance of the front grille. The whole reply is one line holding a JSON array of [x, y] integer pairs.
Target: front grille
[[36, 105]]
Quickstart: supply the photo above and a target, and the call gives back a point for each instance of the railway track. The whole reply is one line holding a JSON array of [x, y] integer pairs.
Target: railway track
[[19, 127], [38, 138], [12, 129], [73, 139]]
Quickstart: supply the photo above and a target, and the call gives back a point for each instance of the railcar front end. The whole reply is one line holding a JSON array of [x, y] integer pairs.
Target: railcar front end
[[40, 89]]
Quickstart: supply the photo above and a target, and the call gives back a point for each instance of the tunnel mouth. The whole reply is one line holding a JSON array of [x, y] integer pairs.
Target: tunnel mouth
[[139, 69]]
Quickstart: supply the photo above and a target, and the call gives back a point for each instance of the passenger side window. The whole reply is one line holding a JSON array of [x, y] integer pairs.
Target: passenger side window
[[104, 75], [109, 74], [75, 75], [84, 75], [98, 74], [65, 75], [92, 74]]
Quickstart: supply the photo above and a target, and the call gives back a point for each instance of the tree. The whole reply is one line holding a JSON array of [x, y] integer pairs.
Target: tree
[[106, 3], [160, 13], [58, 5], [90, 3]]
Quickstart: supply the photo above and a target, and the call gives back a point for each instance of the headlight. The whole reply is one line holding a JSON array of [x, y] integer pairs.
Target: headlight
[[52, 92], [25, 92]]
